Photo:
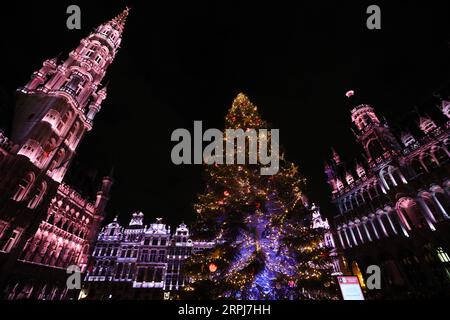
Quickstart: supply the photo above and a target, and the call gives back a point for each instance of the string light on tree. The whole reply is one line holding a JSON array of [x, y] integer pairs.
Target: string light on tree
[[258, 224]]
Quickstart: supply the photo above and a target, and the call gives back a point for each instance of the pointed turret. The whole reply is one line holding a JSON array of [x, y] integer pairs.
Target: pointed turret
[[426, 124], [65, 97], [375, 136]]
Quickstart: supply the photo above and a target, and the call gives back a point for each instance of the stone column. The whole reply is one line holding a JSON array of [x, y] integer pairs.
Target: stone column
[[388, 215], [353, 234], [347, 238], [374, 229], [340, 238], [392, 179], [403, 222], [367, 231], [379, 218], [440, 206], [358, 222], [429, 217]]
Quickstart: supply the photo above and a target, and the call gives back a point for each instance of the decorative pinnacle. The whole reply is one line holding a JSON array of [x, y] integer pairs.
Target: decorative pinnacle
[[121, 19]]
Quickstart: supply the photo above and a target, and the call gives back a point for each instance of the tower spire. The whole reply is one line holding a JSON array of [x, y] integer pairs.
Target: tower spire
[[119, 21], [76, 83]]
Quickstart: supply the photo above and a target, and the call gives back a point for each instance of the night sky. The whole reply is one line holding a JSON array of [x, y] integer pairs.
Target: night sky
[[186, 61]]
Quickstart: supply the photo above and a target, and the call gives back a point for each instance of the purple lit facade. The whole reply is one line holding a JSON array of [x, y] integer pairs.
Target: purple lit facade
[[394, 204], [138, 261]]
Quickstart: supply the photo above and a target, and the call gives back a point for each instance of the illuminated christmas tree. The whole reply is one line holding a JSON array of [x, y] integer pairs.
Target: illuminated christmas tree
[[266, 248]]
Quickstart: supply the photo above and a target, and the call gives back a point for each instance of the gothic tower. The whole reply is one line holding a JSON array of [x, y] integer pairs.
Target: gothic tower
[[374, 135], [58, 106], [53, 112]]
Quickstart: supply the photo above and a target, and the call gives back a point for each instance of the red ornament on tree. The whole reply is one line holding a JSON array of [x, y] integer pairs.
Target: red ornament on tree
[[291, 283], [258, 205], [226, 194], [213, 268]]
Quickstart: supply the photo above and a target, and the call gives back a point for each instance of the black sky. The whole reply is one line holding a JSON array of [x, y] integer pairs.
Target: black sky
[[186, 61]]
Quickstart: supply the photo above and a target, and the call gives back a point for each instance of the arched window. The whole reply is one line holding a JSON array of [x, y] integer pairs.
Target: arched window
[[418, 167], [429, 161], [72, 132], [374, 149], [89, 53], [440, 155], [24, 187], [64, 119], [37, 198]]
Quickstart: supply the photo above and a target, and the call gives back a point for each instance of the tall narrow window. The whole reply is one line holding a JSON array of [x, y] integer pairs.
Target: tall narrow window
[[153, 256], [13, 239], [98, 59], [24, 187], [64, 119], [3, 227], [37, 198], [161, 256], [89, 53]]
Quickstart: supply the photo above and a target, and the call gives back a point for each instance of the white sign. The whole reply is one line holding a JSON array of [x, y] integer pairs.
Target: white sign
[[350, 288]]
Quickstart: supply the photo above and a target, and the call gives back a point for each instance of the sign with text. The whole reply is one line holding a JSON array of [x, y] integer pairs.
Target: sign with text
[[350, 288]]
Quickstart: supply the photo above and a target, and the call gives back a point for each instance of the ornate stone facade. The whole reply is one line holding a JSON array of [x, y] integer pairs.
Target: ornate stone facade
[[394, 207], [46, 226], [139, 262]]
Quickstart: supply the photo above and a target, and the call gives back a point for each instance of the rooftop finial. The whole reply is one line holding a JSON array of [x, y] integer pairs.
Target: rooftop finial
[[121, 19]]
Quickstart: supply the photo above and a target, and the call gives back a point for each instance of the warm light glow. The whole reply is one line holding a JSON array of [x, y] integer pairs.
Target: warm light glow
[[213, 268]]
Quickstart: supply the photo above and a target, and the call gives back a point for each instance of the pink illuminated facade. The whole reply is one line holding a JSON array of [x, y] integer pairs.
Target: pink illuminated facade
[[45, 225], [394, 203]]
